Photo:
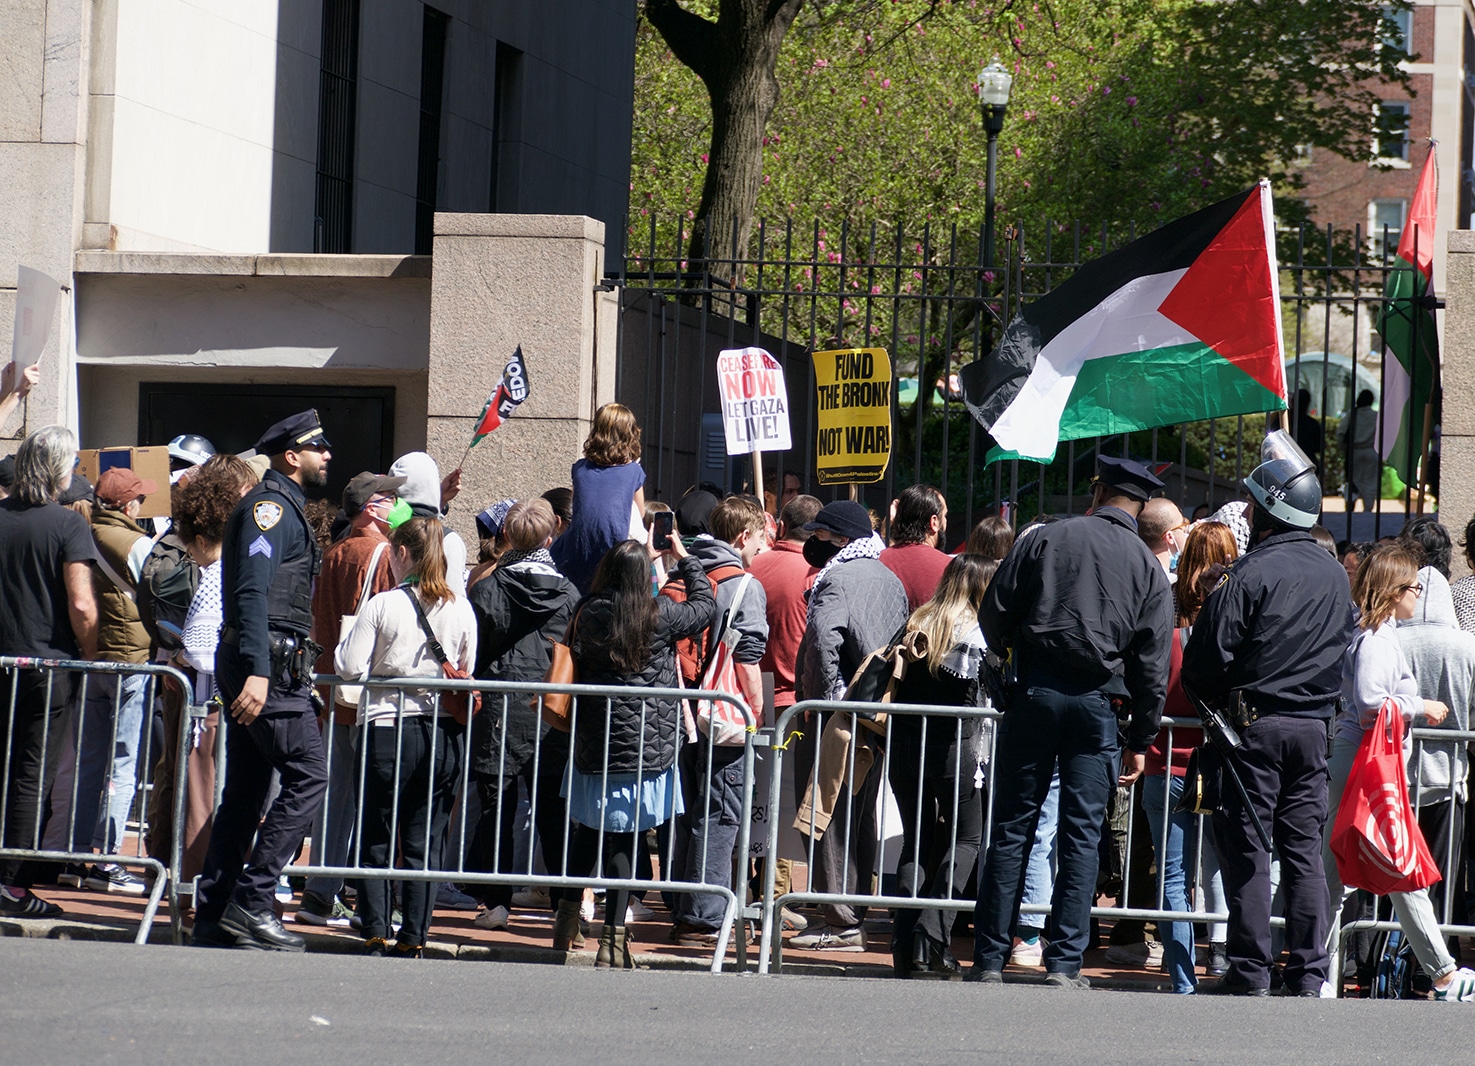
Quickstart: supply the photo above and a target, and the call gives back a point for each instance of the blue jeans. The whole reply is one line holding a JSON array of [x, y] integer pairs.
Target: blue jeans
[[1039, 872], [709, 822], [1159, 795], [106, 776], [1046, 728]]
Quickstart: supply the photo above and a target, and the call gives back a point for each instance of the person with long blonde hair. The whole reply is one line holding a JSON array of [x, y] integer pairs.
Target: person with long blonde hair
[[609, 495], [411, 737], [1386, 591], [933, 763]]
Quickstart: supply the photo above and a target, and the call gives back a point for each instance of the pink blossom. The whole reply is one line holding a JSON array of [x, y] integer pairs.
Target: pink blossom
[[885, 83]]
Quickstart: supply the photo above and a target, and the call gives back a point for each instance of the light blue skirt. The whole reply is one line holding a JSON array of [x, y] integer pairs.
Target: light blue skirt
[[592, 798]]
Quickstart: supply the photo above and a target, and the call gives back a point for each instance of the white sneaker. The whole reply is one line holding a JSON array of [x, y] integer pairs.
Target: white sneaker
[[586, 910], [1460, 990], [638, 912], [1029, 952], [491, 918]]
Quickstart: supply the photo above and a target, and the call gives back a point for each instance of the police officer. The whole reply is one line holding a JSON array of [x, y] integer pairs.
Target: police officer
[[1267, 648], [264, 667], [1087, 613]]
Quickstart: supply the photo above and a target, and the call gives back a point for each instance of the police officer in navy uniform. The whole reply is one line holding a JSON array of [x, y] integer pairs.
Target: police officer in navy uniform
[[264, 669], [1267, 649], [1087, 614]]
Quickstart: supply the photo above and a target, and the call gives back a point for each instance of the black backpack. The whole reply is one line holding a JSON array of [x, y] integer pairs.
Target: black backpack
[[166, 586]]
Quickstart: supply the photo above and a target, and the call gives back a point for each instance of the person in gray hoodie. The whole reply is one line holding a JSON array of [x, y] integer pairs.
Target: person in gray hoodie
[[425, 493], [1442, 657]]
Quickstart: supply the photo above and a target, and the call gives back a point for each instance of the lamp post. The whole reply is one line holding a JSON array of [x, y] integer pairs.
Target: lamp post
[[994, 83]]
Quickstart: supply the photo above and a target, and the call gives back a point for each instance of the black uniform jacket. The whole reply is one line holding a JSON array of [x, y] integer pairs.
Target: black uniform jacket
[[1083, 600], [269, 559], [1277, 626]]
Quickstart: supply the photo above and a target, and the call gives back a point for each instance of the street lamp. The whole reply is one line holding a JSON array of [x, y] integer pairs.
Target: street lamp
[[994, 83]]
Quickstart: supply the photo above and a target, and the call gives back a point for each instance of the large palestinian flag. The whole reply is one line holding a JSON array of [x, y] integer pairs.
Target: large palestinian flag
[[1409, 334], [1180, 325]]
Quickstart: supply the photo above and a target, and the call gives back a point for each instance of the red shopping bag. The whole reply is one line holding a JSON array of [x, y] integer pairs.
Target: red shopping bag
[[1376, 839]]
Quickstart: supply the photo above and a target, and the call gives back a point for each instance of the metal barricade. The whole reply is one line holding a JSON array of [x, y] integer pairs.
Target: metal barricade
[[63, 718], [507, 702]]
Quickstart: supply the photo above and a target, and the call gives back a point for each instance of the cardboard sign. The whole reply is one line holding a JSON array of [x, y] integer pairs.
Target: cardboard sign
[[151, 464], [755, 401], [853, 408]]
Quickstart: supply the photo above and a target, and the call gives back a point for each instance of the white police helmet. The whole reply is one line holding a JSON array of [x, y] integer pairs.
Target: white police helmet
[[191, 448], [1285, 485]]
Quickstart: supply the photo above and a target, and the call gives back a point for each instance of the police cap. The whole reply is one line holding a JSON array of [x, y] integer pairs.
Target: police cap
[[301, 430], [1128, 478]]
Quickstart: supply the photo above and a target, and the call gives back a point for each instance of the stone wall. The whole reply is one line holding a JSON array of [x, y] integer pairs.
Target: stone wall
[[1457, 445]]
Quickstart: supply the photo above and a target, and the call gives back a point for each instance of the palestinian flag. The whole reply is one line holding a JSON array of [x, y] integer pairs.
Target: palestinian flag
[[510, 392], [1406, 324], [1178, 326]]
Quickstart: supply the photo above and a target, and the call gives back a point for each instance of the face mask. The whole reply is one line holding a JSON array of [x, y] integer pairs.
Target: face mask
[[399, 514], [1173, 562], [818, 552]]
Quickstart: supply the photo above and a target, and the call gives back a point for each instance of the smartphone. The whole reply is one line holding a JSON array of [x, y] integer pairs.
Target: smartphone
[[664, 522]]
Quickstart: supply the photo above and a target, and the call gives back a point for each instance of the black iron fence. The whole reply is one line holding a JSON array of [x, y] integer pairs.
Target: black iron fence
[[927, 296]]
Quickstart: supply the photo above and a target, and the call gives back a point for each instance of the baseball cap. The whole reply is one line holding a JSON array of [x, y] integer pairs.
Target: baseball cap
[[118, 485], [364, 487]]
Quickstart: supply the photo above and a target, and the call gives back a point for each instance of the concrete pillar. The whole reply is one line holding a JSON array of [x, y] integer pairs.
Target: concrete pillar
[[1457, 447], [498, 281], [43, 126]]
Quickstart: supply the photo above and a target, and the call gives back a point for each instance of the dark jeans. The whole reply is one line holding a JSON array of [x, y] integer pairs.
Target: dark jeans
[[34, 732], [550, 815], [937, 853], [1443, 826], [707, 830], [1283, 765], [1045, 726], [837, 867], [414, 817], [284, 737]]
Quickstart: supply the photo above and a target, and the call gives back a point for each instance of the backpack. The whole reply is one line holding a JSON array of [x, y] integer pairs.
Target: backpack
[[691, 652], [166, 587]]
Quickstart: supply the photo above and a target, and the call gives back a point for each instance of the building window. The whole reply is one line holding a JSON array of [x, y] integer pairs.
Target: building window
[[432, 84], [506, 130], [1385, 220], [1398, 29], [1392, 131], [337, 110]]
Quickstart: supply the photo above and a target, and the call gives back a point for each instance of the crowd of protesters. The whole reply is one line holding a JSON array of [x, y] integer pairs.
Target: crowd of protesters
[[1084, 632]]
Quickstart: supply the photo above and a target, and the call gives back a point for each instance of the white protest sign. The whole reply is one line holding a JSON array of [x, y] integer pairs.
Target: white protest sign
[[755, 401], [35, 307]]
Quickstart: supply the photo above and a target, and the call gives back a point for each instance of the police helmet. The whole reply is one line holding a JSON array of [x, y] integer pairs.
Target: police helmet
[[1286, 491], [191, 448]]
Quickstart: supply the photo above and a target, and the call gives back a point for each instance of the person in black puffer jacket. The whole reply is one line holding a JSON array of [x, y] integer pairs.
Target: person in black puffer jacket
[[521, 608], [624, 636]]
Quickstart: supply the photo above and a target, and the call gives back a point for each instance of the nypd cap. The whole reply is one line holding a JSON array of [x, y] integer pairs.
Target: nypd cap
[[299, 431], [1128, 478]]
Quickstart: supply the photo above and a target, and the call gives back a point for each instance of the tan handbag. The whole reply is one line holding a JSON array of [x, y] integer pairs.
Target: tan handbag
[[349, 695], [557, 706]]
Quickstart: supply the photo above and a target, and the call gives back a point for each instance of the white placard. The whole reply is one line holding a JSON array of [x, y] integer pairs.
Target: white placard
[[755, 401], [35, 307]]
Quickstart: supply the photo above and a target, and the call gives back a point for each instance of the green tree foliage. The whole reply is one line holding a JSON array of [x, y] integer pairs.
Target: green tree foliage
[[1127, 112]]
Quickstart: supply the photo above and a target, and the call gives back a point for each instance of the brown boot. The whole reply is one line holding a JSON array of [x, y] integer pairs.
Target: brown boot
[[566, 933], [614, 949]]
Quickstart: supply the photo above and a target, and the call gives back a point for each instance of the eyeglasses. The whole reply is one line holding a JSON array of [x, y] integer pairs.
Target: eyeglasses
[[1416, 589]]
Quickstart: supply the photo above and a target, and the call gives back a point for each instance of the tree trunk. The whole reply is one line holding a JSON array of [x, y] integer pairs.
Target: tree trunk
[[735, 58]]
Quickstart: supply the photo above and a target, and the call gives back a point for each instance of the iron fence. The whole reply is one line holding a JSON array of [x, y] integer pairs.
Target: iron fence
[[928, 297]]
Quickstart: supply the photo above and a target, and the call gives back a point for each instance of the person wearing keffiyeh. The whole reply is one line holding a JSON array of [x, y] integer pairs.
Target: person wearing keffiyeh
[[521, 607]]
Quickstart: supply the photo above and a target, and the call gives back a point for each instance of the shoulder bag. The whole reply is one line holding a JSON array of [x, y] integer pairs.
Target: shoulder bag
[[349, 695], [460, 704], [556, 706]]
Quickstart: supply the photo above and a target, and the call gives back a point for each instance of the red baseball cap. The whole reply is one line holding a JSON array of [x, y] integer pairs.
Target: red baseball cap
[[119, 485]]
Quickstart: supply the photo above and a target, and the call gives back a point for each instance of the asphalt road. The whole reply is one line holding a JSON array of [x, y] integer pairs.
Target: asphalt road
[[71, 1002]]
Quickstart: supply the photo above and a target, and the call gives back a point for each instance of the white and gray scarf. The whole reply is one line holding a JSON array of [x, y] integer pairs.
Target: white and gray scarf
[[862, 548]]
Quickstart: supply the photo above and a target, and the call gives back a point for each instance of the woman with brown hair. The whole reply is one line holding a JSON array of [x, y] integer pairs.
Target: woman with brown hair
[[609, 495], [1207, 552], [1386, 590], [411, 739]]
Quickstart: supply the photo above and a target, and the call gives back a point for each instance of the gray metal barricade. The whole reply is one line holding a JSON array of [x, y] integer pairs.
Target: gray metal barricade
[[503, 696], [77, 719]]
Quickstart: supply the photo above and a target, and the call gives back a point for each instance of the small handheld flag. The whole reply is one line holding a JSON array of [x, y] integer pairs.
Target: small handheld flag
[[510, 391]]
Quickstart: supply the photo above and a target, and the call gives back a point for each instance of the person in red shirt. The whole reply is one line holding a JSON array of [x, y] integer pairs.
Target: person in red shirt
[[786, 577], [918, 525]]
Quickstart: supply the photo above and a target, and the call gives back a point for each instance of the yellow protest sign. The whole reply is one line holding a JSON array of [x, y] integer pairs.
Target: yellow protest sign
[[853, 408]]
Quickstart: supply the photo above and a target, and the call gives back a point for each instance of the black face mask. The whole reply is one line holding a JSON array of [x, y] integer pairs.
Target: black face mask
[[818, 552]]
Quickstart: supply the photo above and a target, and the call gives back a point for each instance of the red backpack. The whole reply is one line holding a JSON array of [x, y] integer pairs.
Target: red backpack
[[691, 652]]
